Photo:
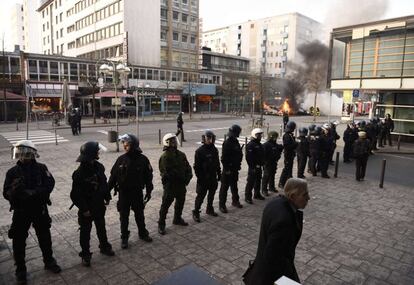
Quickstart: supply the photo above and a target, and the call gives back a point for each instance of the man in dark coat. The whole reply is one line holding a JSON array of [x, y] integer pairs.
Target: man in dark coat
[[231, 158], [349, 139], [289, 151], [280, 231], [361, 150], [180, 123], [208, 172], [27, 187], [255, 161], [175, 174], [389, 123], [272, 153], [326, 148], [90, 193], [131, 173]]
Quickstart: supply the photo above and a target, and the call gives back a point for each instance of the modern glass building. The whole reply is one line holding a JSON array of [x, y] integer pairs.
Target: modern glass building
[[377, 58]]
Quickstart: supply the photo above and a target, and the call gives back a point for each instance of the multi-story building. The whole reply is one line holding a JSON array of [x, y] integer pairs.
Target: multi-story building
[[269, 42], [156, 33], [17, 26], [32, 27], [377, 58]]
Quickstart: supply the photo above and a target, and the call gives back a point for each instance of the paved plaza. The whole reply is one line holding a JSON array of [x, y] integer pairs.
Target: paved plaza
[[354, 233]]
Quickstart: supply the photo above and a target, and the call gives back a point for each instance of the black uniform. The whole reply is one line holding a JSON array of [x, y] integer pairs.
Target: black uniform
[[389, 123], [302, 151], [333, 138], [361, 153], [272, 153], [255, 161], [175, 175], [325, 152], [231, 158], [131, 173], [89, 193], [208, 172], [73, 121], [27, 187], [289, 147], [314, 152], [180, 130], [349, 139], [382, 136]]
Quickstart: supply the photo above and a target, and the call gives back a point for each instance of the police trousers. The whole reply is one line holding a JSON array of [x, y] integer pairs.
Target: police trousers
[[204, 188], [132, 201], [254, 180], [268, 180], [85, 224], [229, 179], [177, 194]]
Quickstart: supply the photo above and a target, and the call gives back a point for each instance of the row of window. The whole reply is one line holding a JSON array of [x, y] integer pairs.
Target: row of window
[[111, 52], [99, 15], [105, 33], [46, 11], [79, 6], [44, 70]]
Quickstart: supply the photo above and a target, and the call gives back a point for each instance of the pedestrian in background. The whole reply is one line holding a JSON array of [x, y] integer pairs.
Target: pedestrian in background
[[131, 173], [27, 187], [361, 153], [285, 119], [280, 232], [208, 171], [180, 123], [231, 158], [389, 123], [175, 174], [90, 193]]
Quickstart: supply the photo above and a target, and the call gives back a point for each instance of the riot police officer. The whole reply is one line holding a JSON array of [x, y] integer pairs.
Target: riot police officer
[[361, 153], [325, 151], [349, 139], [27, 187], [255, 161], [208, 172], [175, 176], [231, 158], [333, 138], [289, 148], [272, 153], [131, 173], [314, 149], [302, 151], [90, 193]]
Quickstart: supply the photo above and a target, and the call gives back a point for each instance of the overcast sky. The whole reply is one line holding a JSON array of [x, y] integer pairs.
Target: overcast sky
[[219, 13]]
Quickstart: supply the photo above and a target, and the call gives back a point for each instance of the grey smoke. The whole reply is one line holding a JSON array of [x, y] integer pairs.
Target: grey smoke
[[351, 12]]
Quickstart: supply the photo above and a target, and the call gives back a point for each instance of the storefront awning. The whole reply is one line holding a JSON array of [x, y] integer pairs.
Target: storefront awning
[[11, 97], [109, 94]]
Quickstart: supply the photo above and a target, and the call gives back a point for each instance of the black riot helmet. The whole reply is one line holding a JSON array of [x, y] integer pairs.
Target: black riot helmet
[[312, 129], [303, 132], [208, 134], [318, 131], [132, 140], [290, 127], [89, 151], [235, 131]]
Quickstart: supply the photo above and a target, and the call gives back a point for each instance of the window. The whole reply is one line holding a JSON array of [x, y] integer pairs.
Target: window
[[43, 27], [61, 16], [164, 13], [175, 15], [184, 18], [193, 39], [163, 35], [175, 36], [184, 38]]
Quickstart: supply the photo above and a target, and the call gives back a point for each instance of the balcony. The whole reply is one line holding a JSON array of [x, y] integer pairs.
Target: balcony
[[284, 34], [164, 23], [264, 38], [284, 58], [285, 46]]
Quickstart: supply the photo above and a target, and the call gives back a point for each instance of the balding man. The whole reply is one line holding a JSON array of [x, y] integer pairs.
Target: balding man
[[280, 232]]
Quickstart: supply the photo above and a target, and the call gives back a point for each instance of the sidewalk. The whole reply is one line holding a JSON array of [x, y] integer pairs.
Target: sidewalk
[[354, 233]]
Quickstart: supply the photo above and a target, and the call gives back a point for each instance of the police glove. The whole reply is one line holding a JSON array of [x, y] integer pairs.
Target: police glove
[[147, 198]]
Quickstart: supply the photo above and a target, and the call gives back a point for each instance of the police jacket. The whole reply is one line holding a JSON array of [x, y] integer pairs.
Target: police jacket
[[90, 188], [272, 152], [289, 144], [390, 124], [303, 147], [174, 168], [280, 231], [315, 145], [207, 164], [132, 171], [180, 121], [348, 136], [326, 145], [232, 155], [254, 154], [361, 148], [28, 185]]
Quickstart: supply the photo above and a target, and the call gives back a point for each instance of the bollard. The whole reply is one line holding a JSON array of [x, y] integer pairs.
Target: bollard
[[384, 162], [336, 164], [399, 142], [159, 136], [17, 125], [225, 136], [56, 137]]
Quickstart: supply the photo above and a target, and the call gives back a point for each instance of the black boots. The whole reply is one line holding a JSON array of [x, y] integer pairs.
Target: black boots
[[180, 222], [86, 258], [52, 266]]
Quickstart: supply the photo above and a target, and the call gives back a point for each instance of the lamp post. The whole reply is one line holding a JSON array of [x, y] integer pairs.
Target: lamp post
[[112, 67]]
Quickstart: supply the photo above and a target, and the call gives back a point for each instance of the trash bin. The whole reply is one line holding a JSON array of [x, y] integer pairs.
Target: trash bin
[[112, 136]]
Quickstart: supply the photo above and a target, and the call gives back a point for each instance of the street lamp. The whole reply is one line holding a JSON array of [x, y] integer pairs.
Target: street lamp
[[109, 67]]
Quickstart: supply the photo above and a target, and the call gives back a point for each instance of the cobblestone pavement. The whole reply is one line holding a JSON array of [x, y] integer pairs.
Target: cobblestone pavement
[[354, 233]]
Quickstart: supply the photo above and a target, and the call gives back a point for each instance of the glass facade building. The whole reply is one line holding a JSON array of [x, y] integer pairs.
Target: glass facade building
[[378, 57]]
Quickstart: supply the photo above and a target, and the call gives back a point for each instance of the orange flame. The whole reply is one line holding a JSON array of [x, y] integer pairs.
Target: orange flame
[[286, 107]]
